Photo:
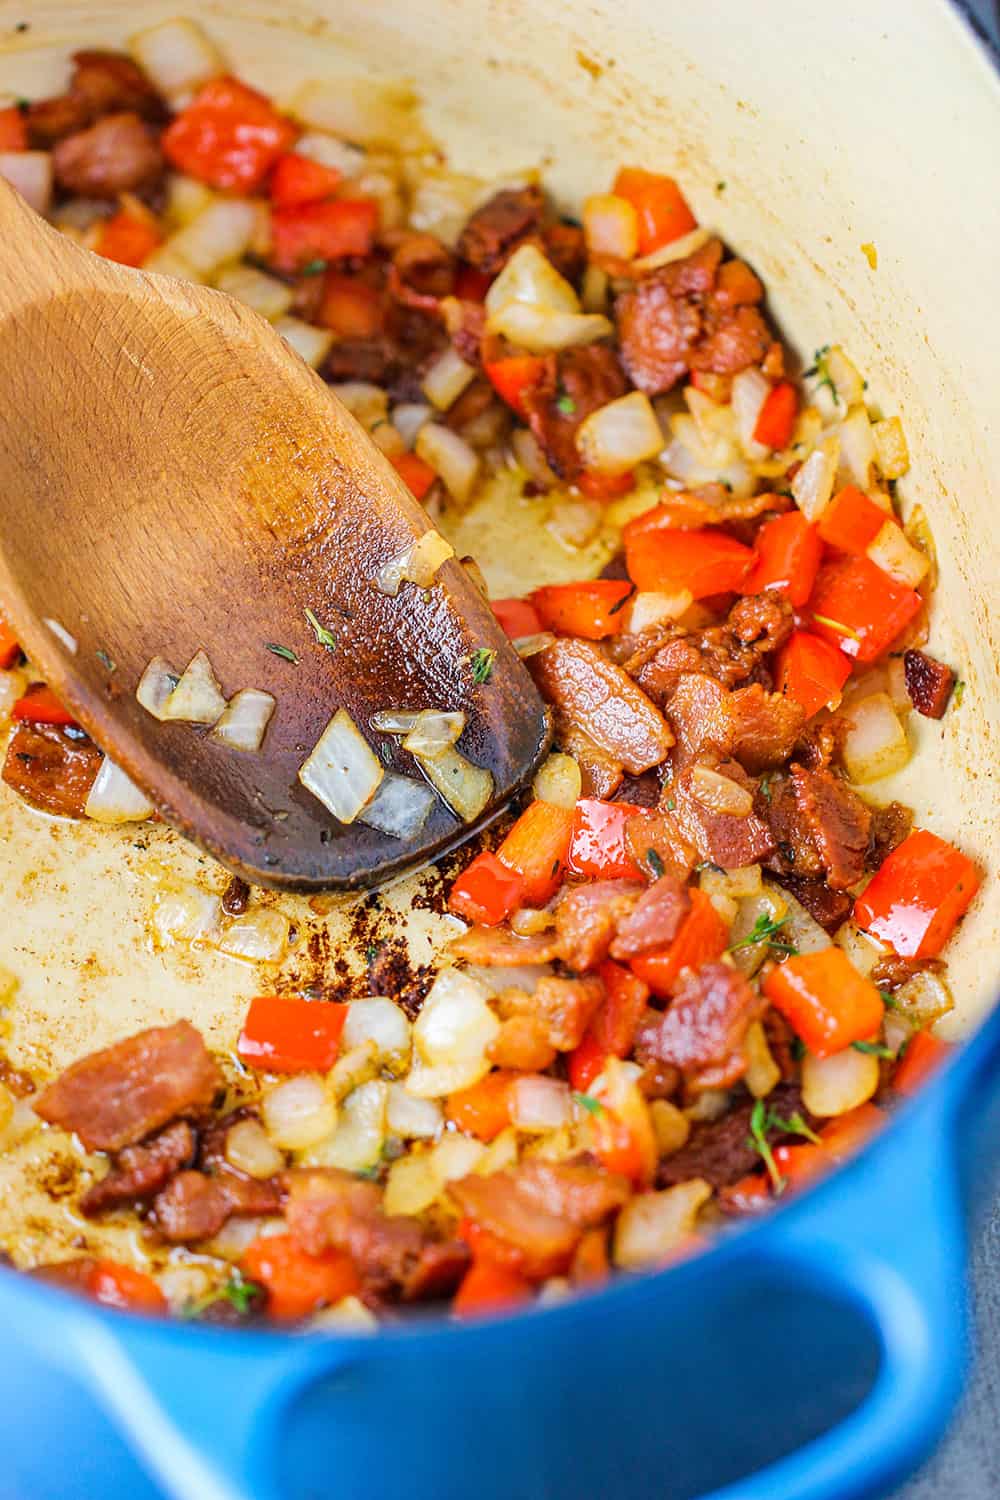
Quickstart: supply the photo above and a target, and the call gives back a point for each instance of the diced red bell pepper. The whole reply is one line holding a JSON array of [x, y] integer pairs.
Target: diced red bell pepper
[[851, 521], [705, 562], [701, 939], [490, 1249], [924, 1054], [859, 608], [298, 179], [598, 848], [586, 1062], [229, 136], [800, 1165], [827, 1003], [616, 1146], [483, 1109], [811, 671], [284, 1034], [349, 307], [917, 895], [487, 891], [127, 239], [332, 230], [298, 1284], [121, 1286], [776, 422], [846, 1134], [414, 473], [13, 130], [660, 207], [472, 285], [41, 706], [488, 1288], [512, 376], [749, 1195], [605, 486], [619, 1013], [517, 617], [536, 848], [592, 610], [787, 555], [10, 648]]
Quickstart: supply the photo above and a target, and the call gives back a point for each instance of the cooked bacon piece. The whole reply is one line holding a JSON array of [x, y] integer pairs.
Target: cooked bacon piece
[[110, 82], [639, 791], [423, 270], [657, 845], [659, 1080], [732, 341], [466, 325], [118, 1096], [71, 1275], [53, 767], [660, 664], [720, 1150], [603, 700], [795, 852], [729, 841], [828, 907], [838, 821], [586, 918], [120, 154], [477, 399], [17, 1080], [523, 1039], [654, 920], [576, 383], [820, 744], [732, 653], [541, 1208], [702, 1032], [657, 332], [140, 1171], [712, 505], [51, 120], [565, 247], [890, 825], [699, 712], [396, 1256], [374, 360], [195, 1206], [737, 286], [495, 947], [765, 727], [929, 683], [565, 1006], [496, 228], [601, 774], [782, 1042]]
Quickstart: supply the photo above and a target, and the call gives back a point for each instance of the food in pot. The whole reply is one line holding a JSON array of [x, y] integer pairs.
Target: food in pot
[[702, 962]]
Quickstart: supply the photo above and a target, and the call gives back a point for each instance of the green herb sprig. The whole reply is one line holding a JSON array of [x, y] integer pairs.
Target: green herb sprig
[[765, 930], [481, 661], [285, 652], [324, 637]]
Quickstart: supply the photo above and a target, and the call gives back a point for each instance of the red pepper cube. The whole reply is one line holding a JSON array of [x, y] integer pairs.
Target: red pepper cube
[[41, 706], [859, 608], [10, 647], [598, 848], [127, 239], [517, 617], [229, 136], [851, 521], [536, 849], [917, 895], [486, 891], [824, 999], [289, 1035], [592, 610], [811, 671], [512, 377], [702, 939], [13, 129], [776, 422], [617, 1017], [661, 560], [298, 179], [586, 1062], [414, 473], [117, 1285], [332, 230], [659, 204], [787, 555]]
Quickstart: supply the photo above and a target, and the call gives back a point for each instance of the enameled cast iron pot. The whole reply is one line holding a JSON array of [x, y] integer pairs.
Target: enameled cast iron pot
[[817, 1355]]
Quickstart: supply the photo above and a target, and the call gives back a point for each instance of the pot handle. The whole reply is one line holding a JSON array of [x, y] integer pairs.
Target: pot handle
[[905, 1268]]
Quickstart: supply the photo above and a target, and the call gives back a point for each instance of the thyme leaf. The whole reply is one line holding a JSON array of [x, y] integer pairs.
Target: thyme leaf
[[325, 637], [481, 661], [285, 652], [764, 930]]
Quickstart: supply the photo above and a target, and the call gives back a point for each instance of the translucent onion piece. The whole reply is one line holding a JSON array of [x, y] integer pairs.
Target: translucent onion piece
[[528, 453], [31, 173], [249, 1149], [434, 732], [620, 435], [863, 951], [925, 998], [255, 289], [412, 1185], [197, 698], [648, 609], [671, 1126], [221, 232], [185, 915], [363, 110], [342, 772], [311, 344], [396, 720], [360, 1135], [245, 720], [329, 151], [450, 456], [177, 55], [857, 449], [720, 794], [575, 521], [418, 563], [801, 929], [678, 249], [466, 788], [610, 226], [380, 1020], [833, 1085], [369, 403], [456, 1156], [186, 199], [166, 262], [12, 687], [875, 744], [558, 780], [62, 635], [726, 889], [400, 807], [447, 378], [750, 390], [353, 1068], [259, 936], [813, 484], [349, 1315], [847, 379], [890, 445], [410, 1118], [540, 329], [763, 1073], [538, 1103], [299, 1113], [531, 645], [653, 1226], [115, 798], [891, 552], [156, 685], [530, 279], [408, 418], [442, 202], [451, 1036]]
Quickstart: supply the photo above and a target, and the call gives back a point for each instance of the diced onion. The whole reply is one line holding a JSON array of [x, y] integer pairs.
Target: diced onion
[[364, 110], [62, 635], [813, 484], [620, 435], [368, 403], [728, 889], [410, 1118], [671, 1126], [800, 929], [330, 151], [891, 447], [197, 698], [594, 289], [891, 552], [349, 1315], [531, 645], [408, 418], [442, 201], [250, 1150], [575, 521], [720, 794], [177, 55], [559, 781], [529, 278], [751, 389], [648, 609], [678, 249], [31, 173], [863, 951], [186, 199], [540, 330], [258, 936], [310, 343], [763, 1073], [417, 564], [185, 915], [245, 720], [380, 1020], [357, 1142], [115, 798], [528, 454], [451, 1036], [255, 289], [400, 807], [355, 1066], [412, 1185], [846, 377], [342, 772], [502, 1152], [875, 744], [299, 1113], [165, 261], [434, 732], [156, 685], [456, 1156], [466, 788], [538, 1103], [450, 456], [833, 1085], [925, 998], [12, 687], [221, 232], [653, 1226], [528, 920], [857, 449], [695, 461], [610, 226], [447, 378]]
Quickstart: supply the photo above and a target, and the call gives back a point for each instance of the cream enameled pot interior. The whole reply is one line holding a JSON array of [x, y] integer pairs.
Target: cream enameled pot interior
[[829, 127]]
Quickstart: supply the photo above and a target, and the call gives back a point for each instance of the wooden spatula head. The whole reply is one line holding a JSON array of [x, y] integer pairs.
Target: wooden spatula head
[[172, 479]]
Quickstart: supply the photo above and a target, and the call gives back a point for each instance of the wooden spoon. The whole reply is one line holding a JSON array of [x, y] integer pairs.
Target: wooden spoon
[[174, 478]]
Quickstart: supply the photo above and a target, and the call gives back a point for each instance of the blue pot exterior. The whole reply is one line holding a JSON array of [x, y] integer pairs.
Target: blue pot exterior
[[717, 1378]]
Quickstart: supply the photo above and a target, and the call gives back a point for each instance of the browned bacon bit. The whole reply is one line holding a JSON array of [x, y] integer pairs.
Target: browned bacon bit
[[194, 1206], [109, 82], [588, 689], [600, 773], [733, 341], [499, 225], [235, 897], [116, 1097], [765, 727], [699, 713], [838, 822], [654, 920], [576, 383], [929, 683], [140, 1171], [702, 1032], [53, 767], [827, 907], [565, 1007], [523, 1040], [423, 270], [795, 852], [720, 1150], [686, 511], [71, 1275], [890, 826], [120, 154], [736, 1200], [586, 918], [465, 323], [657, 845], [565, 247], [495, 947], [729, 840]]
